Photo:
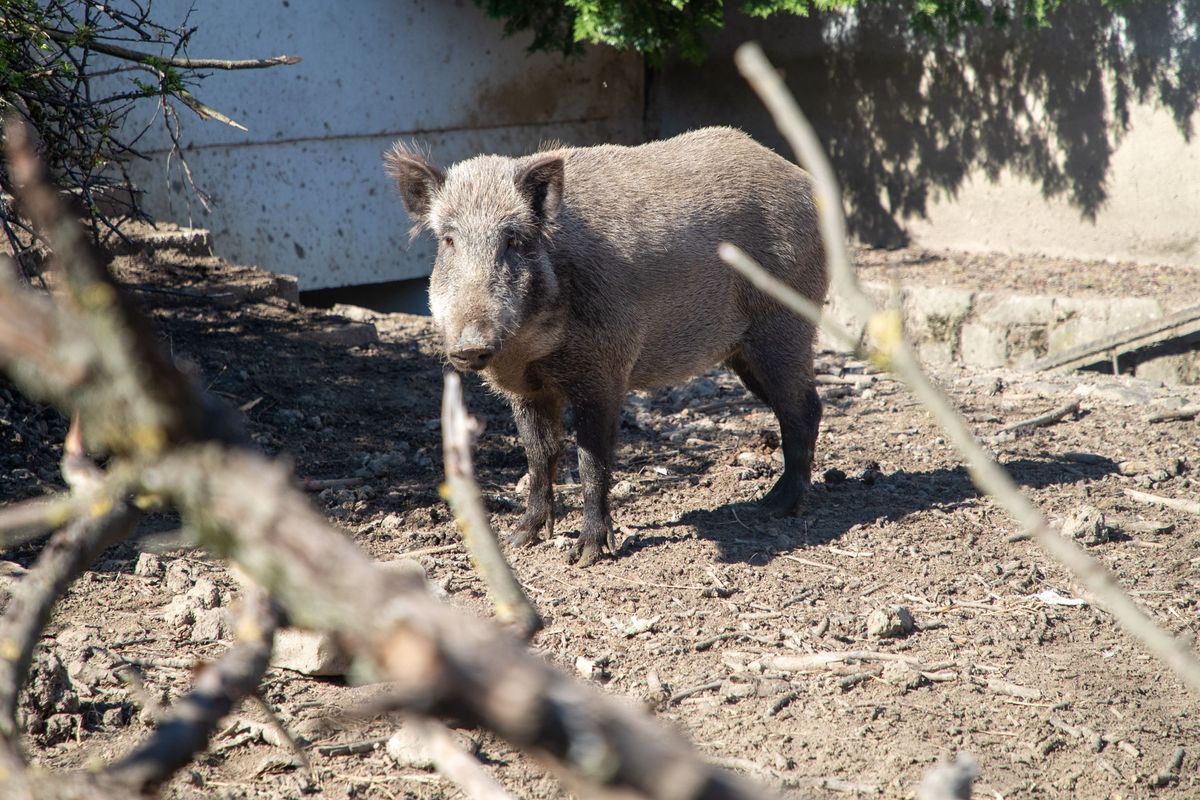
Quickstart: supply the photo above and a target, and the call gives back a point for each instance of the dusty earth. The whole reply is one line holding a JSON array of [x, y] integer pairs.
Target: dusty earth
[[1007, 659]]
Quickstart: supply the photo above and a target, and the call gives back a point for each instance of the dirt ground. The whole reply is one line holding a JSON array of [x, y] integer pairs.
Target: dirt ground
[[1007, 659]]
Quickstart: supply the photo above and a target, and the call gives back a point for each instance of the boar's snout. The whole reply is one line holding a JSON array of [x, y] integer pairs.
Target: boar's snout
[[473, 350]]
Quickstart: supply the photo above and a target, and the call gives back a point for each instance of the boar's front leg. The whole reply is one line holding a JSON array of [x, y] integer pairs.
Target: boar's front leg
[[597, 415], [539, 423]]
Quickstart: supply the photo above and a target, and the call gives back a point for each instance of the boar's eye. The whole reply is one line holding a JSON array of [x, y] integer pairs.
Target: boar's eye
[[512, 243], [448, 241]]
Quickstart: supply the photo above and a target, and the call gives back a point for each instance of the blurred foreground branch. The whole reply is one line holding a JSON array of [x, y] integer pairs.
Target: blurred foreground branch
[[889, 349]]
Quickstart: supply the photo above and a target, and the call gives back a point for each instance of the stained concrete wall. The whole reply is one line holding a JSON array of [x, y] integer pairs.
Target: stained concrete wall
[[303, 192], [1077, 140]]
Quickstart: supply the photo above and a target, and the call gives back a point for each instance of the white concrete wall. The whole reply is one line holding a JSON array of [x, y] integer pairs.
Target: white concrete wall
[[303, 192]]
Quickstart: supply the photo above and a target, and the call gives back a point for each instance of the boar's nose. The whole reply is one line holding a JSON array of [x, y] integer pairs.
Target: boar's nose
[[473, 358], [472, 350]]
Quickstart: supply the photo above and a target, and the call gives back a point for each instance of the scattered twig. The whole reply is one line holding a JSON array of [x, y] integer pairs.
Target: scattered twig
[[462, 492], [889, 349], [780, 703], [684, 694], [1049, 418], [1186, 412], [816, 661], [1189, 506], [352, 748]]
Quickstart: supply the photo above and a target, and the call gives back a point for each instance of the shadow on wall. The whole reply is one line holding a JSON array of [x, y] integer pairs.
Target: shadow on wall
[[904, 116]]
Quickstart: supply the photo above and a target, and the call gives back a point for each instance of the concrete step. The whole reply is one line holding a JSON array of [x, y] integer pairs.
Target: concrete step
[[990, 329]]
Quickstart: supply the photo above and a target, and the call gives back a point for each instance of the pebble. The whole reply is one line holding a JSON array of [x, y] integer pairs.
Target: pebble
[[309, 653], [148, 566], [407, 748], [890, 622], [1087, 526], [178, 576], [211, 625]]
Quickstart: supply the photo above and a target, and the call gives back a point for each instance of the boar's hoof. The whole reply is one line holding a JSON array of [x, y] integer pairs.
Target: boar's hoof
[[783, 500], [588, 549], [522, 536]]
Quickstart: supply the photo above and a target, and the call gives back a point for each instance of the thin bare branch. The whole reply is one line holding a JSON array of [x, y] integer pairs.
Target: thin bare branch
[[890, 349], [74, 39], [462, 492]]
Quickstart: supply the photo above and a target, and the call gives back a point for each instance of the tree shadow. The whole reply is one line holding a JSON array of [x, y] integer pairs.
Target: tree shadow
[[745, 534], [904, 116]]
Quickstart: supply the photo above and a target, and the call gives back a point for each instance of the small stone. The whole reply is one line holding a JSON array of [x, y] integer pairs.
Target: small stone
[[205, 593], [178, 576], [523, 484], [180, 611], [901, 675], [890, 622], [148, 566], [585, 667], [622, 490], [834, 475], [211, 625], [309, 653], [1087, 526], [746, 474], [407, 749], [116, 717], [748, 459]]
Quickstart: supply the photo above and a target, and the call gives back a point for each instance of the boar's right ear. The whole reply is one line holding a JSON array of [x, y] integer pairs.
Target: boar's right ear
[[416, 178], [541, 182]]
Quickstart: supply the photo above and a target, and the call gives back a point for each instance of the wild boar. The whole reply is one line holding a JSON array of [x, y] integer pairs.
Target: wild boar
[[575, 275]]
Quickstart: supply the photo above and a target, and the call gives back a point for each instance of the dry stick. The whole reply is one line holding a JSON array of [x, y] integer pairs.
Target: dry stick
[[1049, 418], [69, 37], [463, 769], [462, 492], [66, 555], [1186, 412], [186, 729], [1189, 506], [891, 350]]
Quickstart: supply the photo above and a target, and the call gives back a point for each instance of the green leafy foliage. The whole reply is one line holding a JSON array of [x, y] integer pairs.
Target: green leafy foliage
[[655, 28]]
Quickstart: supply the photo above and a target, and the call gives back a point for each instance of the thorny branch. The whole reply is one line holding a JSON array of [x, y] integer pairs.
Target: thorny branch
[[890, 349], [240, 504]]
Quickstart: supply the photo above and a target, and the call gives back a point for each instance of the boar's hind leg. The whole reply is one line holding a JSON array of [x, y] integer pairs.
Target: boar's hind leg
[[597, 414], [775, 363], [539, 423]]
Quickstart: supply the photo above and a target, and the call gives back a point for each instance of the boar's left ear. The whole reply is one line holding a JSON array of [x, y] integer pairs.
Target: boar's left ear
[[541, 182], [416, 178]]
